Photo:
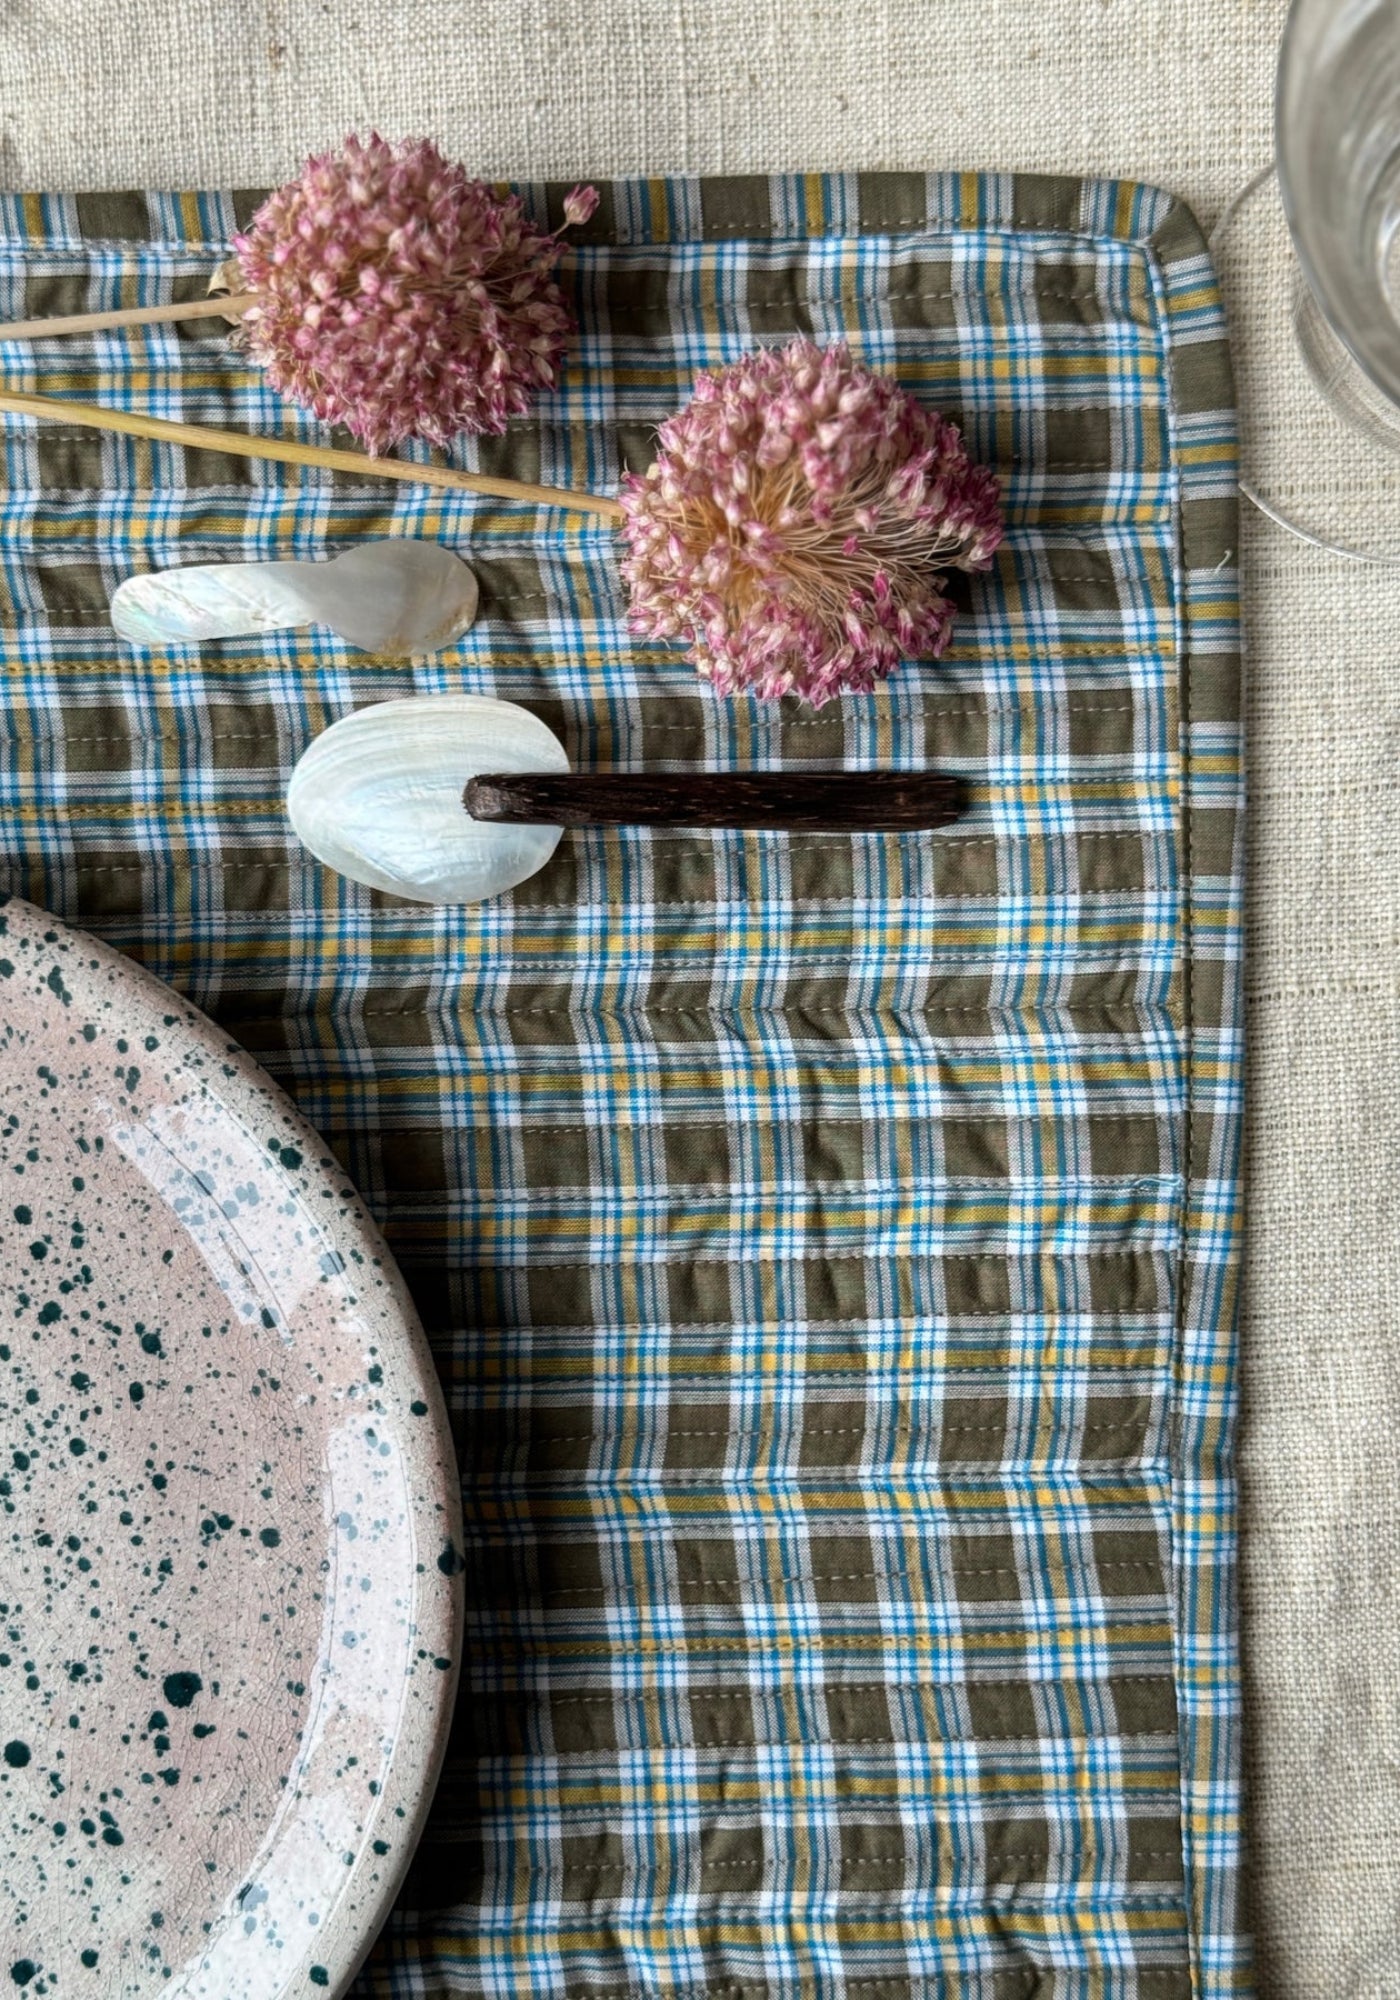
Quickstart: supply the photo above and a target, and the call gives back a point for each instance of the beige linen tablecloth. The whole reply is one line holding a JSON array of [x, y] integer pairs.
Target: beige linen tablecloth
[[183, 93]]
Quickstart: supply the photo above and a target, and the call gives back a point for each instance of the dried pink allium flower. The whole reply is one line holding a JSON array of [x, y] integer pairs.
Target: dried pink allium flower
[[794, 522], [397, 296], [579, 204]]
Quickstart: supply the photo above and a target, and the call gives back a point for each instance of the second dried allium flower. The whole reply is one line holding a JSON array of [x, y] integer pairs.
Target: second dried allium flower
[[398, 296], [794, 523]]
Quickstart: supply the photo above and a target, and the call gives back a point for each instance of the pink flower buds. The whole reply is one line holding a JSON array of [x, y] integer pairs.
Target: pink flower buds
[[794, 523], [579, 205], [397, 296]]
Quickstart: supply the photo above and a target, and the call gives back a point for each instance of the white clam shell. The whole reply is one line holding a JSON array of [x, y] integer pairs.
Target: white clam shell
[[378, 796], [397, 596]]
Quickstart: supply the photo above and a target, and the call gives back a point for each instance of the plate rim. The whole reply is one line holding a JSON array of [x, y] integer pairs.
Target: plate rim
[[345, 1940]]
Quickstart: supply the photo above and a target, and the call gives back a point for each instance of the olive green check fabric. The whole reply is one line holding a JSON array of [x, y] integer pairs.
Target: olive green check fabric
[[828, 1243]]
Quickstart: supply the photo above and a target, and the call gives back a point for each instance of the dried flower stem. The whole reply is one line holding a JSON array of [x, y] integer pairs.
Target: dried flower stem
[[223, 307], [288, 451]]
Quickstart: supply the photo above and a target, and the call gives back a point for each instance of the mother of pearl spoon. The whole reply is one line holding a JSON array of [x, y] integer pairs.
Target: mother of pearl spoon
[[397, 596], [452, 798]]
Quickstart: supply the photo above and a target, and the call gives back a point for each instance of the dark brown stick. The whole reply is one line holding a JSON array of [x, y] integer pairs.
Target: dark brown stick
[[805, 801]]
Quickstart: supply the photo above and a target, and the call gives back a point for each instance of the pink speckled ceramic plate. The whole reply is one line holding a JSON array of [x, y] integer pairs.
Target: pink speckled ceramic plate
[[229, 1592]]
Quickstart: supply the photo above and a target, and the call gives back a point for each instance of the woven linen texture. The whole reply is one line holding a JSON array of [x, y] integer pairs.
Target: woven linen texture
[[828, 1243]]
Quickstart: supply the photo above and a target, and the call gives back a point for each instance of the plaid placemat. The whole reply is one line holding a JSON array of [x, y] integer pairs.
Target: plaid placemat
[[828, 1243]]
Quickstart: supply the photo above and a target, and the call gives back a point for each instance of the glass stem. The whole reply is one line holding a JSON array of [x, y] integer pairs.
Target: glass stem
[[1251, 493]]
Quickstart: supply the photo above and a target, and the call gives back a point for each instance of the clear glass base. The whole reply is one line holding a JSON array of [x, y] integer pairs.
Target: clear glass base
[[1320, 450]]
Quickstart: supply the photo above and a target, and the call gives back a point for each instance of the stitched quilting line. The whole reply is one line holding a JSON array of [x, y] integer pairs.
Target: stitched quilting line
[[1050, 1904], [1000, 1258], [564, 1647], [895, 1745], [57, 249], [892, 1577], [860, 1378], [282, 855], [967, 295], [47, 435], [834, 1253], [100, 808], [138, 737], [625, 1003], [629, 1697], [1039, 467], [1056, 1900], [833, 1184], [621, 1003], [849, 1861], [417, 1010], [1034, 1976], [586, 1482], [891, 1743], [908, 1431], [1185, 1620], [959, 653], [926, 226]]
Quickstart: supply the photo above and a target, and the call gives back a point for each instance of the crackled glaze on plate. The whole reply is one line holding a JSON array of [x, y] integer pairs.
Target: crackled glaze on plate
[[229, 1595]]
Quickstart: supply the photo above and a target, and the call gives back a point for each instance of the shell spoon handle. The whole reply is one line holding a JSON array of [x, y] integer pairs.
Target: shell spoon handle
[[799, 801]]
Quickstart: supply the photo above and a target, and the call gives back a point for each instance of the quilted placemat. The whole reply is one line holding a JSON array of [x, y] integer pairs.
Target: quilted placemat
[[828, 1243]]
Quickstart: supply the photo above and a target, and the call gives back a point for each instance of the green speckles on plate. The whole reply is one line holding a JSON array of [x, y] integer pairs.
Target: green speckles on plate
[[210, 1519], [181, 1688]]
